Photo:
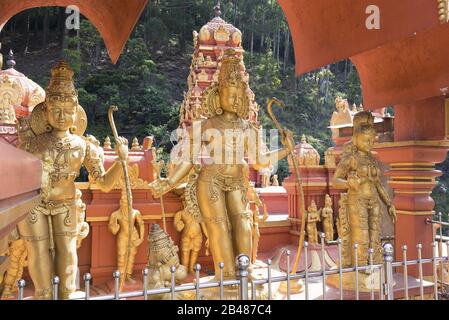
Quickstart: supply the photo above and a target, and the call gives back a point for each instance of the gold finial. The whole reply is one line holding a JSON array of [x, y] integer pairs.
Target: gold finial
[[354, 108], [135, 145], [11, 63], [303, 139], [217, 10], [107, 143]]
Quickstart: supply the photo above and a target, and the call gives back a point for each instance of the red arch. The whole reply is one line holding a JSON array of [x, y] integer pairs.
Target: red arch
[[114, 19]]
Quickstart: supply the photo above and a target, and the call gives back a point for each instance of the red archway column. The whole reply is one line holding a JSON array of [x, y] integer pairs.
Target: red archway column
[[419, 145]]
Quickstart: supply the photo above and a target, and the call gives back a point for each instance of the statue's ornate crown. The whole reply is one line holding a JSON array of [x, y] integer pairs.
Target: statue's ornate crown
[[61, 82], [231, 70], [363, 121]]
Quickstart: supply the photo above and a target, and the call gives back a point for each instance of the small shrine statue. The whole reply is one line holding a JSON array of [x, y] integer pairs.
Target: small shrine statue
[[50, 229], [253, 198], [17, 253], [82, 226], [119, 225], [162, 255], [265, 174], [358, 172], [328, 218], [275, 182], [191, 238], [221, 186], [313, 216]]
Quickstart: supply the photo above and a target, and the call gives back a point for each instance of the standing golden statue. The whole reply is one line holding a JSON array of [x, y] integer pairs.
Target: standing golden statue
[[221, 186], [119, 225], [191, 238], [359, 173], [254, 198], [313, 216], [50, 230], [327, 215]]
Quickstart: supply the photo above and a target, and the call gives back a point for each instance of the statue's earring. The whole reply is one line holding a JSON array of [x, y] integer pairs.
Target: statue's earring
[[73, 129], [48, 128], [219, 111]]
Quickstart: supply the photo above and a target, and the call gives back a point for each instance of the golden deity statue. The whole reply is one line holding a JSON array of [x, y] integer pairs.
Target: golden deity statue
[[119, 225], [327, 215], [17, 254], [358, 172], [50, 230], [226, 136], [191, 237], [313, 216], [254, 198]]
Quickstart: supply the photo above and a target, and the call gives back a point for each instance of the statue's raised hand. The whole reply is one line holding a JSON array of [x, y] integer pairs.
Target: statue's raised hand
[[121, 147], [159, 187]]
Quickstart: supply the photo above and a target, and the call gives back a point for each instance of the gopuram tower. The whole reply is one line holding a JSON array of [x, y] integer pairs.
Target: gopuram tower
[[210, 44]]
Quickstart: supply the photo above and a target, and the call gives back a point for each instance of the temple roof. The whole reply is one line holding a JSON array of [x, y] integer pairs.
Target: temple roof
[[114, 19]]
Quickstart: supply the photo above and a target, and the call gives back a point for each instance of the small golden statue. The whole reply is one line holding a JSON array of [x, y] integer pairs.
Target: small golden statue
[[359, 173], [221, 186], [313, 216], [162, 255], [191, 238], [327, 215], [254, 198], [119, 225], [265, 174], [82, 226], [50, 230], [275, 182], [18, 257]]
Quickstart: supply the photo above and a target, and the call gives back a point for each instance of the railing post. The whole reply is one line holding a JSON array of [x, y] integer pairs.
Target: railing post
[[242, 263], [145, 283], [87, 277], [388, 266], [21, 284], [116, 276], [55, 287]]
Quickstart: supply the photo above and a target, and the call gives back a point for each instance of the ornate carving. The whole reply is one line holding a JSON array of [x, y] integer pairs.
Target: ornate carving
[[10, 97]]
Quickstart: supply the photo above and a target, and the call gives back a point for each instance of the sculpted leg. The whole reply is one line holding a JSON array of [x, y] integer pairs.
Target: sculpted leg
[[375, 232], [185, 256], [130, 268], [240, 217], [216, 220], [34, 230], [121, 253], [66, 261], [358, 218]]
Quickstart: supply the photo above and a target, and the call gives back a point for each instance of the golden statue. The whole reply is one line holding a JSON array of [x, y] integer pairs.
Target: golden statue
[[327, 215], [265, 174], [191, 238], [275, 182], [82, 225], [50, 230], [359, 173], [313, 216], [17, 254], [162, 255], [254, 198], [119, 225], [221, 187]]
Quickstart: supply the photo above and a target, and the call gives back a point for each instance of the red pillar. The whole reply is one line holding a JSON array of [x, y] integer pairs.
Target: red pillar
[[419, 144]]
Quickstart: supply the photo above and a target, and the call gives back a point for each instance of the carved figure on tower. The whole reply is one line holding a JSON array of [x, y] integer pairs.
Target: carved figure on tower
[[50, 229], [313, 216]]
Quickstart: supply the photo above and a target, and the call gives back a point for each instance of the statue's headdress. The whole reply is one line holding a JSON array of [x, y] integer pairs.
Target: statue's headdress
[[363, 122], [61, 86], [231, 75]]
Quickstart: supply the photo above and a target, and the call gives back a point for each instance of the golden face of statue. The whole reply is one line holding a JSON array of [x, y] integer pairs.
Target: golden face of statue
[[364, 141], [61, 112], [231, 98]]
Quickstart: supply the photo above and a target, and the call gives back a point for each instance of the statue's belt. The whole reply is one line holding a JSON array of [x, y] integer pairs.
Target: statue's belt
[[53, 208]]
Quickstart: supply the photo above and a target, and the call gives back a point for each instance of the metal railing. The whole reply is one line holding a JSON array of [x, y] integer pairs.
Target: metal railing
[[245, 285]]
